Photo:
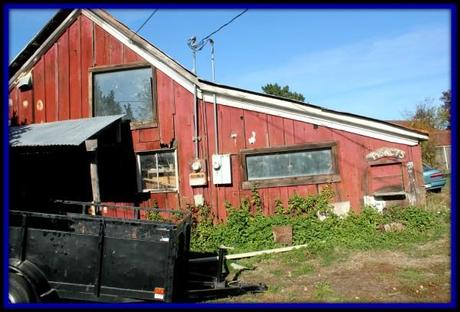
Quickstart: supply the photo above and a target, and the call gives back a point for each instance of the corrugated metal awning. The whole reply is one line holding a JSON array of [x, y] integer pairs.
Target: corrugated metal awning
[[70, 132]]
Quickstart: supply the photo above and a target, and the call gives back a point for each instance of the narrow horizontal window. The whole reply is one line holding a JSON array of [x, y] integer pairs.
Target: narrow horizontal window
[[290, 165], [157, 171], [127, 91]]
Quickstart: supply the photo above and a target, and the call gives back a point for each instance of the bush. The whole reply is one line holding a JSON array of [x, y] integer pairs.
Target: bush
[[247, 229]]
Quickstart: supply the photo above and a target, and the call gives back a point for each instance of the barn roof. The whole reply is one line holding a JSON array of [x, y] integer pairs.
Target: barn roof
[[225, 95], [69, 132]]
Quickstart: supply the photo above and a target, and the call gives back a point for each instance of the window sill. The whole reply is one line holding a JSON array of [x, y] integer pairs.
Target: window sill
[[134, 126], [158, 191], [317, 179]]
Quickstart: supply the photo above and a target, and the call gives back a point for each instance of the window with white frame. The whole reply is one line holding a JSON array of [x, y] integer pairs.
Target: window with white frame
[[290, 165], [157, 171]]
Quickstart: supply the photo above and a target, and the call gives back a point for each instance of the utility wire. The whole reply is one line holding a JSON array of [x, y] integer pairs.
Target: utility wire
[[153, 13], [229, 22], [198, 46]]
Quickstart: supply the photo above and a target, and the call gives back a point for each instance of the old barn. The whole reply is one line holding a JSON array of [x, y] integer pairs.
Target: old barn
[[184, 140]]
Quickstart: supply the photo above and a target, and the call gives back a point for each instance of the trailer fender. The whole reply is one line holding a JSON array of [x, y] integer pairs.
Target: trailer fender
[[33, 275]]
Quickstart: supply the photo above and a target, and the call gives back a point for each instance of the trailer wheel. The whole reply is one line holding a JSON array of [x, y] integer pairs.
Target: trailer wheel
[[20, 291]]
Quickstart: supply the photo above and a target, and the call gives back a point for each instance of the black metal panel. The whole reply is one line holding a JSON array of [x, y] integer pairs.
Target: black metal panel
[[133, 258]]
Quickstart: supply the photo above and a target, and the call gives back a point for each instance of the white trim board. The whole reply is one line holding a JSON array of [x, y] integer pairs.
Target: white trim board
[[369, 132]]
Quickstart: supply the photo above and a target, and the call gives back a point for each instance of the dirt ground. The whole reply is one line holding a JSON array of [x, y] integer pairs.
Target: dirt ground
[[418, 274]]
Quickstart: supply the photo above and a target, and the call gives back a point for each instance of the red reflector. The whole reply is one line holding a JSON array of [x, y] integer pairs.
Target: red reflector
[[434, 175]]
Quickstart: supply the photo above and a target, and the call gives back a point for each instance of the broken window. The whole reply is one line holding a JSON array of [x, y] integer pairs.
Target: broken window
[[126, 91], [157, 171], [292, 165]]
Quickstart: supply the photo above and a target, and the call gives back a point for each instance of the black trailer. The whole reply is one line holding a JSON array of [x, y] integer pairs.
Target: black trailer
[[143, 256]]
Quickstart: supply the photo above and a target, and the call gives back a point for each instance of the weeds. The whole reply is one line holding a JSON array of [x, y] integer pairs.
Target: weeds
[[247, 229]]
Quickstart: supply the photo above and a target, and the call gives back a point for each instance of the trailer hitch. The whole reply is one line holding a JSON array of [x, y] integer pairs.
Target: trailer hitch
[[208, 286]]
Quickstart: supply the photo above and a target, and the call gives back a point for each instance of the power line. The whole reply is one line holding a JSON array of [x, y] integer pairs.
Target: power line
[[229, 22], [153, 13], [198, 46]]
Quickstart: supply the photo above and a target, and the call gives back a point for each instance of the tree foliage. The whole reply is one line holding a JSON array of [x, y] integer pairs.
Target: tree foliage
[[444, 109], [429, 118], [275, 89]]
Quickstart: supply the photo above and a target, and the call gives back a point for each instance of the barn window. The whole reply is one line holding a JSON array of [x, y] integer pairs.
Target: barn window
[[292, 165], [157, 171], [124, 90]]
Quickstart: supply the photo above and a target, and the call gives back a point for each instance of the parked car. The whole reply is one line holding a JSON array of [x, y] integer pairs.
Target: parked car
[[434, 179]]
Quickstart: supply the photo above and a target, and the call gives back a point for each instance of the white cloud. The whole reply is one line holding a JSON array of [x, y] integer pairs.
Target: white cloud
[[389, 63]]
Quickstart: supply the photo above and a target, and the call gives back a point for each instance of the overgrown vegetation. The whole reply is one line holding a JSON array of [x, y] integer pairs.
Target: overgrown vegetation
[[247, 229]]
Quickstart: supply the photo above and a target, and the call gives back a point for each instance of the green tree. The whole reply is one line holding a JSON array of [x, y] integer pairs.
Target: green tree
[[275, 89], [444, 109], [429, 118], [106, 105]]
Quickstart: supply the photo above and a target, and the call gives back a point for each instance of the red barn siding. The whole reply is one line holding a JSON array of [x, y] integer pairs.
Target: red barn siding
[[75, 70], [87, 55], [61, 82], [38, 78], [63, 77], [51, 88]]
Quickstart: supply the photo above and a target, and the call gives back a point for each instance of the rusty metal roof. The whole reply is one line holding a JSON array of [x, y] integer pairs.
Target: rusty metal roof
[[69, 132]]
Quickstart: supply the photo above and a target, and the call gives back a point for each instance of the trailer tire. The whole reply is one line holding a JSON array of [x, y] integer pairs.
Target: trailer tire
[[19, 290]]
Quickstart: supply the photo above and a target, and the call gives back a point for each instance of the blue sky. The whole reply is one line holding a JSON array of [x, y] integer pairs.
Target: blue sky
[[378, 63]]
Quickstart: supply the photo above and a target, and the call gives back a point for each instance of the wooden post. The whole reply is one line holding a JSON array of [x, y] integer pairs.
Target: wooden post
[[91, 147]]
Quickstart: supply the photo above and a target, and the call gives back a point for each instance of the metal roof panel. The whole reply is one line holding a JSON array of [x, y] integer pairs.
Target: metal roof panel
[[69, 132]]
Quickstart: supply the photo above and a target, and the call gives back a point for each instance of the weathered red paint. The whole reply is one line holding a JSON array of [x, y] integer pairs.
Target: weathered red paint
[[87, 53], [63, 77], [165, 96], [39, 102], [61, 81], [51, 88], [75, 67]]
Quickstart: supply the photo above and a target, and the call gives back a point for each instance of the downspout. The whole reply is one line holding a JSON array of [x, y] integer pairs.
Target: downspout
[[195, 109]]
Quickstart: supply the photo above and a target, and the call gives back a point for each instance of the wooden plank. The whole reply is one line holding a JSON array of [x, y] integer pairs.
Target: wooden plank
[[299, 132], [255, 125], [284, 196], [13, 108], [63, 77], [51, 84], [86, 63], [288, 131], [147, 146], [275, 130], [166, 107], [100, 46], [115, 50], [26, 107], [39, 102], [129, 56], [75, 72], [135, 137], [149, 135], [172, 201], [274, 194]]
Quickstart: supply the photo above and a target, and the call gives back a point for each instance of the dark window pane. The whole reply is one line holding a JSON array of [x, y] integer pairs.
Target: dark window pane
[[289, 164], [124, 92]]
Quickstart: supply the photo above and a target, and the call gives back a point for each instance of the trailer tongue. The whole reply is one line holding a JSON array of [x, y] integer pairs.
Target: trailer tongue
[[121, 254]]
